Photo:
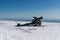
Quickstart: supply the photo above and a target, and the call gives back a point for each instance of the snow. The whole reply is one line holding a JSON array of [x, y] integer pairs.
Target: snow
[[47, 31]]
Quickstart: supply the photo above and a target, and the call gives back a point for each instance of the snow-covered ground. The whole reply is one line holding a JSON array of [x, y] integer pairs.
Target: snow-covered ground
[[48, 31]]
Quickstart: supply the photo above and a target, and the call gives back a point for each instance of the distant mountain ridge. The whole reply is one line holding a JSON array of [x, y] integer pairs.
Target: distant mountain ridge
[[30, 19]]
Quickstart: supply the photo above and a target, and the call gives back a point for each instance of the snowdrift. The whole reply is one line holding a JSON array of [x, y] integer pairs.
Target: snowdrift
[[47, 31]]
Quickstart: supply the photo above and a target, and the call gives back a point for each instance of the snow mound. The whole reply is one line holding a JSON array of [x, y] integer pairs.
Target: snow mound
[[47, 31]]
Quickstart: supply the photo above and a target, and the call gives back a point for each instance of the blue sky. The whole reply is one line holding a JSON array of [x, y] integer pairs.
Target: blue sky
[[28, 8]]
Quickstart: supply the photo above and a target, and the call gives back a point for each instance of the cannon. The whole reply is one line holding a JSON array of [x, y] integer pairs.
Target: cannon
[[35, 22]]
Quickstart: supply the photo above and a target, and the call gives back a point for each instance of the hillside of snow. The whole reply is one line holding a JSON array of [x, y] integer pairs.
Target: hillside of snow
[[47, 31]]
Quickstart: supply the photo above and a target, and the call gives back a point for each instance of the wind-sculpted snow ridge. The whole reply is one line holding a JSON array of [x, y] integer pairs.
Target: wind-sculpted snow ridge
[[47, 31]]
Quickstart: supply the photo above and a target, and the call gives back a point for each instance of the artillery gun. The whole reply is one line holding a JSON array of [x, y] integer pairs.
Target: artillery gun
[[35, 22]]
